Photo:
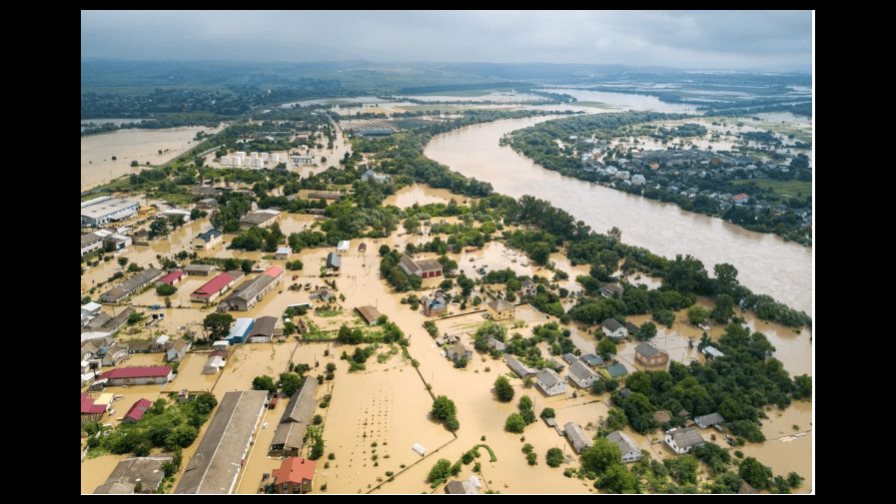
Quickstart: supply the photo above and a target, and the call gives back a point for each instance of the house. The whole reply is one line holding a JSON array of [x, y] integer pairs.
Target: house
[[137, 411], [207, 204], [214, 467], [712, 352], [252, 291], [593, 360], [90, 242], [175, 213], [114, 242], [370, 314], [206, 191], [91, 411], [159, 344], [334, 262], [462, 487], [518, 367], [632, 329], [379, 178], [582, 375], [263, 330], [682, 440], [215, 362], [529, 288], [113, 355], [139, 375], [617, 370], [613, 329], [130, 286], [611, 290], [577, 437], [282, 253], [500, 309], [342, 246], [434, 306], [100, 211], [647, 355], [325, 195], [172, 278], [299, 414], [628, 448], [496, 345], [294, 476], [259, 218], [550, 382], [427, 268], [324, 294], [458, 351], [211, 290], [570, 358], [148, 471], [199, 269], [178, 350], [740, 199], [207, 240], [240, 330], [709, 420]]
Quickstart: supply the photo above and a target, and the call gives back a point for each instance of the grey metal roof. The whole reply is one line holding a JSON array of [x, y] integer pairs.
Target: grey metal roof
[[593, 360], [500, 305], [147, 470], [548, 377], [687, 437], [581, 371], [408, 265], [333, 260], [301, 404], [429, 265], [577, 436], [460, 487], [250, 288], [130, 285], [646, 349], [497, 345], [624, 442], [611, 324], [709, 420], [216, 463], [264, 326], [369, 313], [518, 367], [570, 358]]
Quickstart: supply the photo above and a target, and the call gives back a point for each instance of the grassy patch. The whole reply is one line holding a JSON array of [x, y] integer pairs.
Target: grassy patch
[[328, 313], [786, 188]]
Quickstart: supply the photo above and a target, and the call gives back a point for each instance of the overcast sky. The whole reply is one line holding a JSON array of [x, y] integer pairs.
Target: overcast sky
[[707, 40]]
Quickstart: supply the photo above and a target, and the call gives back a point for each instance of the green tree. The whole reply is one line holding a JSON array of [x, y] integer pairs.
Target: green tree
[[606, 347], [525, 403], [548, 413], [264, 382], [412, 224], [600, 456], [165, 289], [726, 278], [440, 471], [515, 423], [217, 324], [554, 457], [648, 331], [503, 389], [683, 468], [755, 473], [697, 314], [122, 261], [724, 308], [290, 383], [616, 419], [618, 479]]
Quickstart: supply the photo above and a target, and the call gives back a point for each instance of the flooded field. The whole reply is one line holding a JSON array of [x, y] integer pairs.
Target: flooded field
[[141, 145], [419, 194], [789, 436]]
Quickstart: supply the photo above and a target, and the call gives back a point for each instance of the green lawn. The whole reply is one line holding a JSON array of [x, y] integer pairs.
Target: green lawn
[[786, 188]]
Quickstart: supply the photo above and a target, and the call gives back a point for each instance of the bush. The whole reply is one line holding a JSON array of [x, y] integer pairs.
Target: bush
[[548, 413], [515, 423], [554, 457], [503, 389], [165, 289], [532, 458]]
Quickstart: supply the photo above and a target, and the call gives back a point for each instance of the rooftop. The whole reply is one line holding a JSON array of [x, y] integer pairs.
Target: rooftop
[[138, 372], [500, 305], [369, 313], [105, 207], [294, 470]]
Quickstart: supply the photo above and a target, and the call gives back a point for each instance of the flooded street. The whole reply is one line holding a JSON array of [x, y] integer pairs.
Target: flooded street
[[767, 264], [141, 145]]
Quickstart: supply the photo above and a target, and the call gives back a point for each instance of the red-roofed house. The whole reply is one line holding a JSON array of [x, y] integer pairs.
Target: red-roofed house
[[172, 278], [91, 412], [294, 476], [274, 271], [212, 289], [741, 198], [139, 375], [137, 410]]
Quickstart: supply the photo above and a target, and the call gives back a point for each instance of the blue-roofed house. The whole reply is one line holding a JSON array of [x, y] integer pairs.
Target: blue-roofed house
[[617, 370], [207, 239], [240, 330]]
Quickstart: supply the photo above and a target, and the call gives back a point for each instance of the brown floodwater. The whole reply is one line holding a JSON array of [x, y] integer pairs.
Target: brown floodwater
[[767, 264], [787, 449], [421, 195], [141, 145]]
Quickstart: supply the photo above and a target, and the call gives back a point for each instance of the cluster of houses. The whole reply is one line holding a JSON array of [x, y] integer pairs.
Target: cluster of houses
[[244, 297], [106, 241]]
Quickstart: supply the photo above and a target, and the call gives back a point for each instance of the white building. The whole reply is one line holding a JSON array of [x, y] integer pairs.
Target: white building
[[682, 440], [628, 448], [174, 213], [582, 375], [550, 382], [100, 211], [613, 329]]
